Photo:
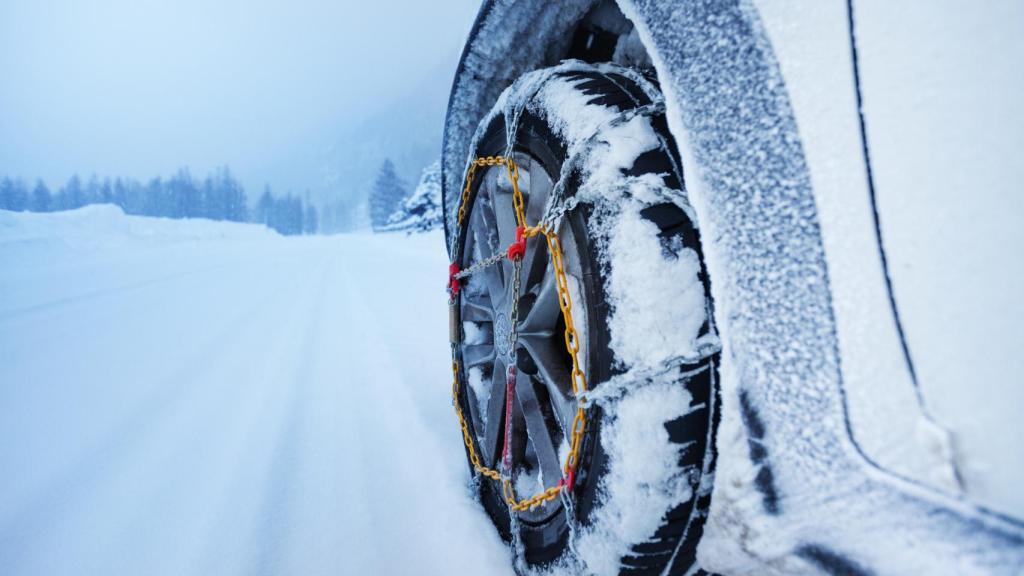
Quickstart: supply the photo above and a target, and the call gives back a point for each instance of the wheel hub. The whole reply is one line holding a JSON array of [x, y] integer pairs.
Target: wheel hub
[[502, 335]]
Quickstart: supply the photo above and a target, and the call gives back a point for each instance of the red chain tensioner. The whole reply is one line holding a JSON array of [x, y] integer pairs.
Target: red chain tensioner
[[517, 249], [453, 282], [569, 481]]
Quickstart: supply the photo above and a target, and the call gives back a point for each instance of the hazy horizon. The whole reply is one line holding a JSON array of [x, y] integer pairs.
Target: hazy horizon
[[299, 95]]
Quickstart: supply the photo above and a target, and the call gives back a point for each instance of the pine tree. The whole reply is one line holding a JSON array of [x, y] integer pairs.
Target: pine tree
[[106, 192], [232, 196], [293, 215], [42, 200], [6, 194], [212, 206], [388, 193], [72, 196], [185, 196], [422, 210], [135, 197], [310, 220], [93, 193], [264, 206], [154, 200], [286, 215], [120, 194]]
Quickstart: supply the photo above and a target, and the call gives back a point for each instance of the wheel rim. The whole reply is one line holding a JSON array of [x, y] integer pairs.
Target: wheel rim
[[544, 404]]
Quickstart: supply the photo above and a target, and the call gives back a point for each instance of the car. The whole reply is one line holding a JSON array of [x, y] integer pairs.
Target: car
[[734, 284]]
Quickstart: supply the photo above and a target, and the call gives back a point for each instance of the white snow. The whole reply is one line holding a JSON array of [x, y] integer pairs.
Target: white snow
[[631, 138], [645, 336], [565, 107], [192, 397], [639, 488]]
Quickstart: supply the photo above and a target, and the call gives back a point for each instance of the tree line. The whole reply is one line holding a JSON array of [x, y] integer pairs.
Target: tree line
[[218, 196]]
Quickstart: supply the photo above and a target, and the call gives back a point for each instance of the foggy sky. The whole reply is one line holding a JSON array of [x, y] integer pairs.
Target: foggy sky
[[142, 87]]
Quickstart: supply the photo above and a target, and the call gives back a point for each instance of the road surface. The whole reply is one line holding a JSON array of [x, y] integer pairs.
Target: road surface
[[208, 398]]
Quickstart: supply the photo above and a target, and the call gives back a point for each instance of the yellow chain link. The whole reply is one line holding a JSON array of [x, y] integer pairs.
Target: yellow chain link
[[572, 345], [513, 176]]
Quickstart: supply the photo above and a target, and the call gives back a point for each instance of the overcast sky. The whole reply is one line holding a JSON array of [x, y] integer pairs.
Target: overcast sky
[[142, 87]]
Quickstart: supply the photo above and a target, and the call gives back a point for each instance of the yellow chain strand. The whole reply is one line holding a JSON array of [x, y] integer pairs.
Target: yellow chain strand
[[572, 345], [513, 176], [470, 446]]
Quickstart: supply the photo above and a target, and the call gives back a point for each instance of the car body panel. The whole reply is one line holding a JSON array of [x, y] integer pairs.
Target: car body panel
[[887, 417], [942, 88]]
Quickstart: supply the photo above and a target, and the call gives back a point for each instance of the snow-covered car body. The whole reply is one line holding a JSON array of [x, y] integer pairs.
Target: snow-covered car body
[[853, 166]]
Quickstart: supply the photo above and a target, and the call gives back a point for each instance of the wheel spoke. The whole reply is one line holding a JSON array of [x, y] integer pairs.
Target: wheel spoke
[[483, 222], [504, 210], [490, 276], [552, 371], [537, 428], [543, 316], [477, 355], [476, 311], [504, 214], [495, 414], [535, 261], [474, 404]]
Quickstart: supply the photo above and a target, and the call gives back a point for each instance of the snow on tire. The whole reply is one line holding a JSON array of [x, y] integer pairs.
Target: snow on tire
[[591, 140]]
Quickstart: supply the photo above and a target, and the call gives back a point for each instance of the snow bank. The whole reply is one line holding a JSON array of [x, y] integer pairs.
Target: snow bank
[[99, 225]]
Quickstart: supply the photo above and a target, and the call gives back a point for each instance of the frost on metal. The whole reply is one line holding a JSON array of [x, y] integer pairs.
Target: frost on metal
[[793, 492]]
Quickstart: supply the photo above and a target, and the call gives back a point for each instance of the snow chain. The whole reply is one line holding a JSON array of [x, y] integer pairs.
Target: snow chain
[[515, 252]]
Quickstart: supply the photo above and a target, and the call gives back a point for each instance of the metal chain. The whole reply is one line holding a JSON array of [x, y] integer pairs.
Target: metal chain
[[518, 550], [559, 204], [570, 519], [513, 174], [474, 458], [547, 227], [517, 272], [571, 337], [478, 266]]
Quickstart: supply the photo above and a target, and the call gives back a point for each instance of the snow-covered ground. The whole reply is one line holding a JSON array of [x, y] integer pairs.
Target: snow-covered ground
[[191, 397]]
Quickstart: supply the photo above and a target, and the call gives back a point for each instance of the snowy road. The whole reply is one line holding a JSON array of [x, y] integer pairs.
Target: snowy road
[[205, 398]]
